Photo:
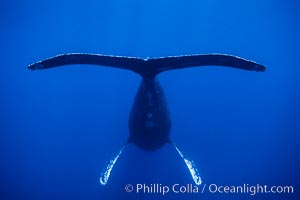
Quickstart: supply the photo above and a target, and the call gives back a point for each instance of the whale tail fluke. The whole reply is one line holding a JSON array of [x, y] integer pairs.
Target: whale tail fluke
[[148, 67]]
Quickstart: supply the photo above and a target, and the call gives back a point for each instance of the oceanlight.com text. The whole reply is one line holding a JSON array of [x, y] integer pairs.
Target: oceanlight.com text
[[250, 189]]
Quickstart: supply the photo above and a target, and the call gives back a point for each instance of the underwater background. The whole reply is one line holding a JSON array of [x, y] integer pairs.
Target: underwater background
[[60, 127]]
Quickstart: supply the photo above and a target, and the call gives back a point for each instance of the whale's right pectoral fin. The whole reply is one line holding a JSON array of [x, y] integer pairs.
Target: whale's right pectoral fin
[[190, 165]]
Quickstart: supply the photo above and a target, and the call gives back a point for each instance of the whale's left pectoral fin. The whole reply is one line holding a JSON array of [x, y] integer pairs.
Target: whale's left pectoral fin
[[107, 170]]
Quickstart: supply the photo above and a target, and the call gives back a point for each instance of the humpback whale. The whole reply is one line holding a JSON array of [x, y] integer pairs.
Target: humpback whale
[[149, 121]]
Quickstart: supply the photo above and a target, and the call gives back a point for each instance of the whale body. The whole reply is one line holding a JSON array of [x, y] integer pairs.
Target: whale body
[[149, 121]]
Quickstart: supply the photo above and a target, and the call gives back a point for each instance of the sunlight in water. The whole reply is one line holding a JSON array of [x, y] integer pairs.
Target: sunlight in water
[[191, 166], [106, 171]]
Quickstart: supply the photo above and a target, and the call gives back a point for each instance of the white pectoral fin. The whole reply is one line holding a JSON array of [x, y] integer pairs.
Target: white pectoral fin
[[191, 166], [107, 170]]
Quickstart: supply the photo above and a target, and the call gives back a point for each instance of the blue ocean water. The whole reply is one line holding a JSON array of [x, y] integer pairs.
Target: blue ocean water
[[60, 127]]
